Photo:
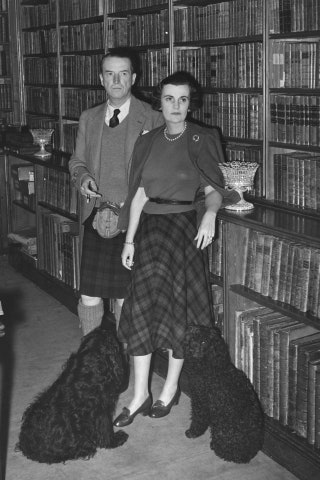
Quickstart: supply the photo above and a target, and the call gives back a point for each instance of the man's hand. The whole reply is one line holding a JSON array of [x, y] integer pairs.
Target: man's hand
[[89, 188]]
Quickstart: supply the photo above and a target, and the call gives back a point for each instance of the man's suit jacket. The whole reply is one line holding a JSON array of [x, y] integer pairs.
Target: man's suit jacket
[[87, 155]]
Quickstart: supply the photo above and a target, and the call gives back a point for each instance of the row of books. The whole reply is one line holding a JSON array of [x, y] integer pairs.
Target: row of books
[[223, 66], [4, 61], [248, 153], [60, 248], [297, 179], [58, 191], [88, 36], [70, 131], [237, 18], [35, 121], [3, 5], [81, 69], [5, 96], [78, 9], [294, 64], [25, 193], [149, 29], [156, 66], [36, 15], [215, 252], [281, 357], [4, 30], [42, 100], [7, 118], [138, 30], [121, 5], [238, 115], [40, 41], [75, 101], [116, 32], [22, 183], [283, 270], [295, 119], [41, 70], [294, 16], [217, 306]]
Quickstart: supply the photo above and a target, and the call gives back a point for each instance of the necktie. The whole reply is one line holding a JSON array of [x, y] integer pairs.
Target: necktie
[[114, 121]]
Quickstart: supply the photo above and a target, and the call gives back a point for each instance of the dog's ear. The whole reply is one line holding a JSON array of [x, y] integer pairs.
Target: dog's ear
[[197, 341]]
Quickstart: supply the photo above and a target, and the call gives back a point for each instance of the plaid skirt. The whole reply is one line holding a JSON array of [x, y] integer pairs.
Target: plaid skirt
[[101, 273], [169, 287]]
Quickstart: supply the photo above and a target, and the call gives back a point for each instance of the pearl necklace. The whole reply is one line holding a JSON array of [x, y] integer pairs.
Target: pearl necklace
[[165, 133]]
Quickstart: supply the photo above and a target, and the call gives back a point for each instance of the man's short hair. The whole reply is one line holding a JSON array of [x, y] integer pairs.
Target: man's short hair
[[123, 52]]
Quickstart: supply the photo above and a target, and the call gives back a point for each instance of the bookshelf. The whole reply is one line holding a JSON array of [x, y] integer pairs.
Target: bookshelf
[[6, 102], [253, 298], [258, 64], [292, 106], [10, 65], [43, 229], [61, 47], [260, 75]]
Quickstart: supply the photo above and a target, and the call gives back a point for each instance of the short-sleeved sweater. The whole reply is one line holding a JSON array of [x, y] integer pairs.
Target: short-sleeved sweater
[[169, 174]]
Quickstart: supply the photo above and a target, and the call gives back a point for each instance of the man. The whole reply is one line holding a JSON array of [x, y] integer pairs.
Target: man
[[99, 167]]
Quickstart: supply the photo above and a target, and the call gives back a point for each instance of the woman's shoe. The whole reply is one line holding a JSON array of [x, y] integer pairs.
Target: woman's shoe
[[159, 409], [125, 418]]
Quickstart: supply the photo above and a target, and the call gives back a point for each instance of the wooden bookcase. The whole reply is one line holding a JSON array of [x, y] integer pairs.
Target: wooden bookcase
[[43, 228], [6, 90], [282, 442], [258, 64], [11, 95]]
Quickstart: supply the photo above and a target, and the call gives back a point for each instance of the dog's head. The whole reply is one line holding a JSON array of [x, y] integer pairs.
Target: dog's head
[[207, 344]]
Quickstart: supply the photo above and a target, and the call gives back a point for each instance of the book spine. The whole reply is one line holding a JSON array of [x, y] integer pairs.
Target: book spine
[[311, 406]]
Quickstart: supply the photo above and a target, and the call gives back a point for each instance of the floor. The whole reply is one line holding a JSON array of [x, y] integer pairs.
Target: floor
[[40, 335]]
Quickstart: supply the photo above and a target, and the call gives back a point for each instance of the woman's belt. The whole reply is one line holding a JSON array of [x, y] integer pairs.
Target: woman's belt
[[168, 201]]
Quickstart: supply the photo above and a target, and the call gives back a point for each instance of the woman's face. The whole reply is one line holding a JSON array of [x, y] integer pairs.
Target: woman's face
[[175, 101]]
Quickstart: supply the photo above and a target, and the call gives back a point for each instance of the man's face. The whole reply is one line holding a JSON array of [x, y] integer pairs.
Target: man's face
[[117, 79]]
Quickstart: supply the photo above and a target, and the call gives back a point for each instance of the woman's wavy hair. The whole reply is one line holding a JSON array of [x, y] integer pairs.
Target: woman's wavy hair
[[179, 78]]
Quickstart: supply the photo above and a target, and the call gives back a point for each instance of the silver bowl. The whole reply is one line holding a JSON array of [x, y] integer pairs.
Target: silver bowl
[[239, 176], [42, 137]]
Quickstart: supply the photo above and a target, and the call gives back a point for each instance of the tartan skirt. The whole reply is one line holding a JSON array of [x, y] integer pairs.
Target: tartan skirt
[[169, 287], [101, 272]]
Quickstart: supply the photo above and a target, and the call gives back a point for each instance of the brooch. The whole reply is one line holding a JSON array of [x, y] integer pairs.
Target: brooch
[[195, 138]]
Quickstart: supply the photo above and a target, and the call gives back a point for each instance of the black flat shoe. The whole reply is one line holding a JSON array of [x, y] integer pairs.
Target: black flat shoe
[[125, 418], [159, 409]]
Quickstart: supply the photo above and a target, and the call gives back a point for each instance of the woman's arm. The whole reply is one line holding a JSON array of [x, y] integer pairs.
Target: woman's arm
[[136, 207], [206, 230]]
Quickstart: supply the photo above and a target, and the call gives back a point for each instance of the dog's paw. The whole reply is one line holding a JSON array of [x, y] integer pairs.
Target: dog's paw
[[119, 438], [191, 433]]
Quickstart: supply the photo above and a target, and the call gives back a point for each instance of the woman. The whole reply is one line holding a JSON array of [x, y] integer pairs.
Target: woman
[[170, 283]]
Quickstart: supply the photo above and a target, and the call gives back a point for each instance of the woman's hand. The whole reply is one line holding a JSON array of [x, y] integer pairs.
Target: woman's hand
[[127, 256], [206, 230]]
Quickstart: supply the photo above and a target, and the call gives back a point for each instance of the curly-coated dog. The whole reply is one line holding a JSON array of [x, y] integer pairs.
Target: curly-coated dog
[[222, 398], [73, 417]]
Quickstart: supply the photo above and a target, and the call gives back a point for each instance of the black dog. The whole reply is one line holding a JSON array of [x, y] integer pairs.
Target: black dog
[[222, 398], [73, 417]]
